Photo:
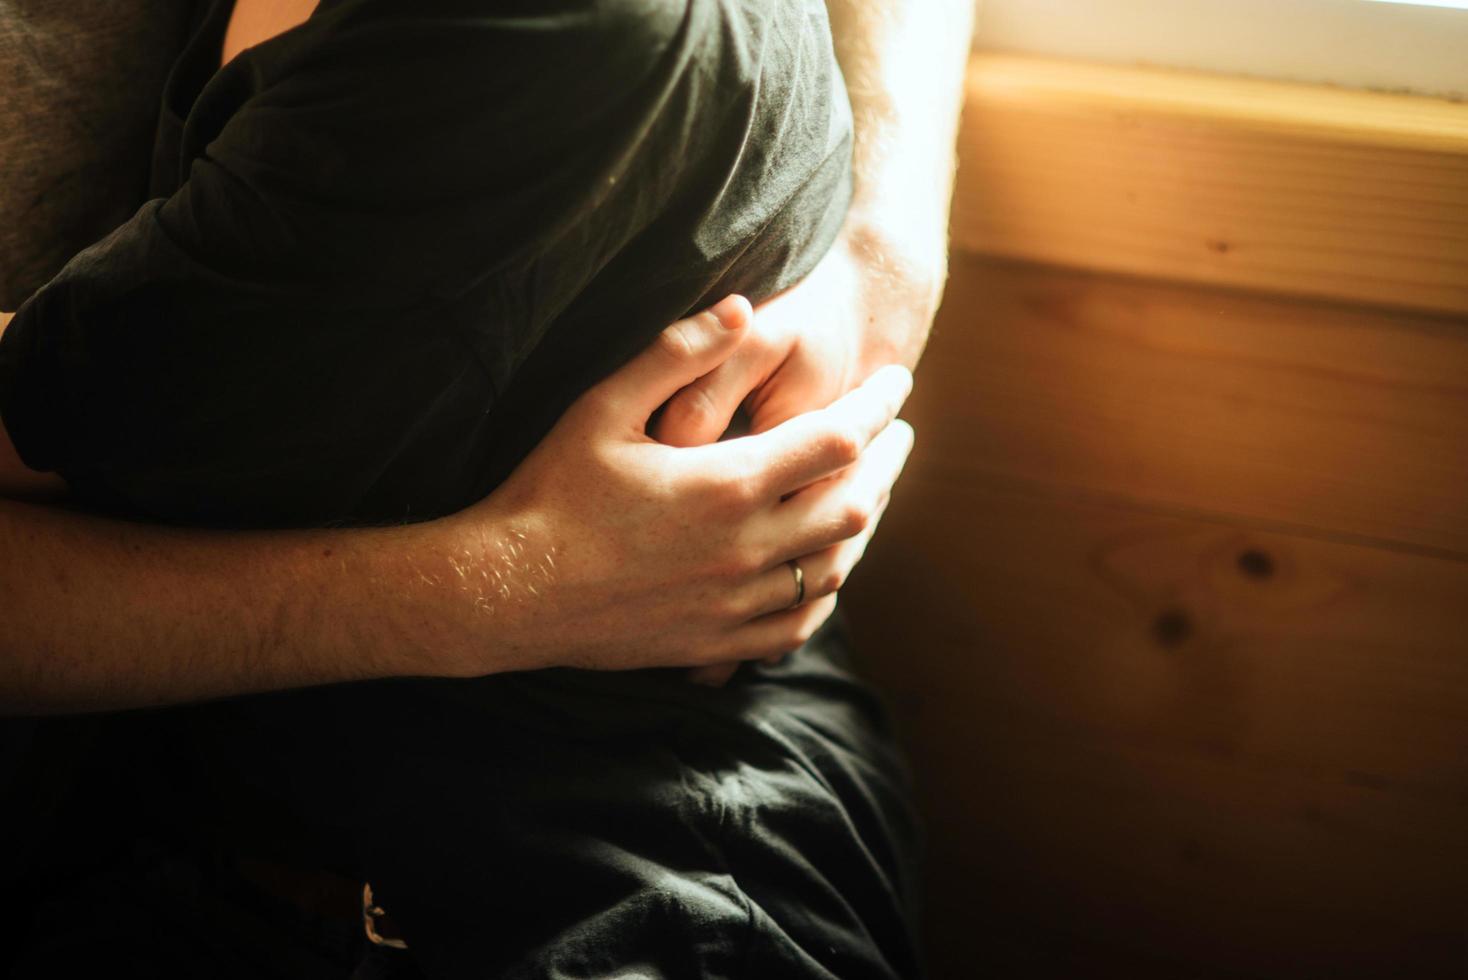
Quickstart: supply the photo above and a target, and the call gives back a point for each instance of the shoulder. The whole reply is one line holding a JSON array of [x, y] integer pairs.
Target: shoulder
[[460, 66], [462, 33]]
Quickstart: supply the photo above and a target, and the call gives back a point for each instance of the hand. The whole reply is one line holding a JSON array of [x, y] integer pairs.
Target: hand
[[806, 348], [610, 550], [857, 309]]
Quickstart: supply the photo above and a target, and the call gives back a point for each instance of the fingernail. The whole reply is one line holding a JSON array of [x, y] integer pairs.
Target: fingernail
[[732, 312]]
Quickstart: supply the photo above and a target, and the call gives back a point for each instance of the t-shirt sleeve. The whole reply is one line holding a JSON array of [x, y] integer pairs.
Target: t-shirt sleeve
[[301, 305]]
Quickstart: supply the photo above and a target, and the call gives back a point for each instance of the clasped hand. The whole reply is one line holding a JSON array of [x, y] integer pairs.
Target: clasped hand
[[610, 549]]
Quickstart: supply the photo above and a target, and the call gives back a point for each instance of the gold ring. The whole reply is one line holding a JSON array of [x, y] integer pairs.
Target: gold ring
[[799, 582]]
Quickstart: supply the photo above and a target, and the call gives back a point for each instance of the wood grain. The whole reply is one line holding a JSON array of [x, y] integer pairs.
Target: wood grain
[[1172, 604], [1312, 416], [1140, 757], [1299, 189]]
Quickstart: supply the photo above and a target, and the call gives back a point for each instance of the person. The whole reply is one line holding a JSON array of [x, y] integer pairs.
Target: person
[[82, 314], [578, 617]]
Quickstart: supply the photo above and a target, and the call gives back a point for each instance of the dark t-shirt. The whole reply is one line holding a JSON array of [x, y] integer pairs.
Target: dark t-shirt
[[388, 247]]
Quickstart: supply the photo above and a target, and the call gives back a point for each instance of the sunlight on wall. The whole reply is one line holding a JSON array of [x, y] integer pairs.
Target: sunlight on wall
[[1459, 4], [1394, 46]]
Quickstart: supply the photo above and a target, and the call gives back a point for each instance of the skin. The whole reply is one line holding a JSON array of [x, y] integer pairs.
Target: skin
[[872, 300], [254, 21], [581, 558], [104, 614]]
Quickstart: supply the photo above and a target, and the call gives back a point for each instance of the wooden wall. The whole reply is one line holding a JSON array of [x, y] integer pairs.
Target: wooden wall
[[1172, 605], [1301, 189]]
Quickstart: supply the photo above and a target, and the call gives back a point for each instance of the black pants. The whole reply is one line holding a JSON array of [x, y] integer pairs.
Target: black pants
[[575, 825]]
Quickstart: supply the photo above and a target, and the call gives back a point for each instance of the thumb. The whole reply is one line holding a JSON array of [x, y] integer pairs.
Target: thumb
[[682, 353]]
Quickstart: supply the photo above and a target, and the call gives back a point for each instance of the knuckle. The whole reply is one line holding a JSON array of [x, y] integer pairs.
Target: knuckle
[[697, 486], [675, 342], [855, 518], [831, 582], [738, 564], [752, 560], [728, 609], [688, 420], [741, 491], [695, 405], [848, 446], [721, 495], [842, 446]]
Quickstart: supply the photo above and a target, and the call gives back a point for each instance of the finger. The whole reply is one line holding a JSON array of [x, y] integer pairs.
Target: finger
[[702, 411], [826, 572], [841, 507], [813, 446], [781, 632], [681, 354], [822, 573], [775, 589], [713, 675]]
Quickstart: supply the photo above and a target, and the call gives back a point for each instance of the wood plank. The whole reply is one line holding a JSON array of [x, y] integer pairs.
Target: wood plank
[[1326, 419], [1298, 189], [1158, 747], [1173, 606]]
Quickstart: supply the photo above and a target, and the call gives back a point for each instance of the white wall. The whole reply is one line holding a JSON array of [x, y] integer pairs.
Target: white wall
[[1357, 43]]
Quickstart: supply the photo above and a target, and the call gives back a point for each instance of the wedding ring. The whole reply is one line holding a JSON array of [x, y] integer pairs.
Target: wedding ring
[[799, 582]]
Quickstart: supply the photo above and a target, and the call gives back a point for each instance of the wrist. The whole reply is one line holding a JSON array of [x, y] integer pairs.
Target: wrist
[[467, 592], [410, 619], [361, 591]]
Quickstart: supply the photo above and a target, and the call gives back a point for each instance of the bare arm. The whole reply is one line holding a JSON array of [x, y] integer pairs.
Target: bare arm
[[903, 61], [99, 614], [872, 299], [105, 614], [580, 559]]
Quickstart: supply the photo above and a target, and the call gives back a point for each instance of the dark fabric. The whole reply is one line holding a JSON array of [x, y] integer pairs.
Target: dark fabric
[[387, 249], [566, 825], [78, 104], [390, 246], [153, 910]]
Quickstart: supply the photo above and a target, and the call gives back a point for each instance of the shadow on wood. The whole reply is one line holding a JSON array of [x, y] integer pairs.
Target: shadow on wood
[[1173, 607]]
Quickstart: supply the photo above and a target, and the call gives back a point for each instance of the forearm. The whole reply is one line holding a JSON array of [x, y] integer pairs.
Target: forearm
[[580, 558], [903, 61], [100, 614]]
